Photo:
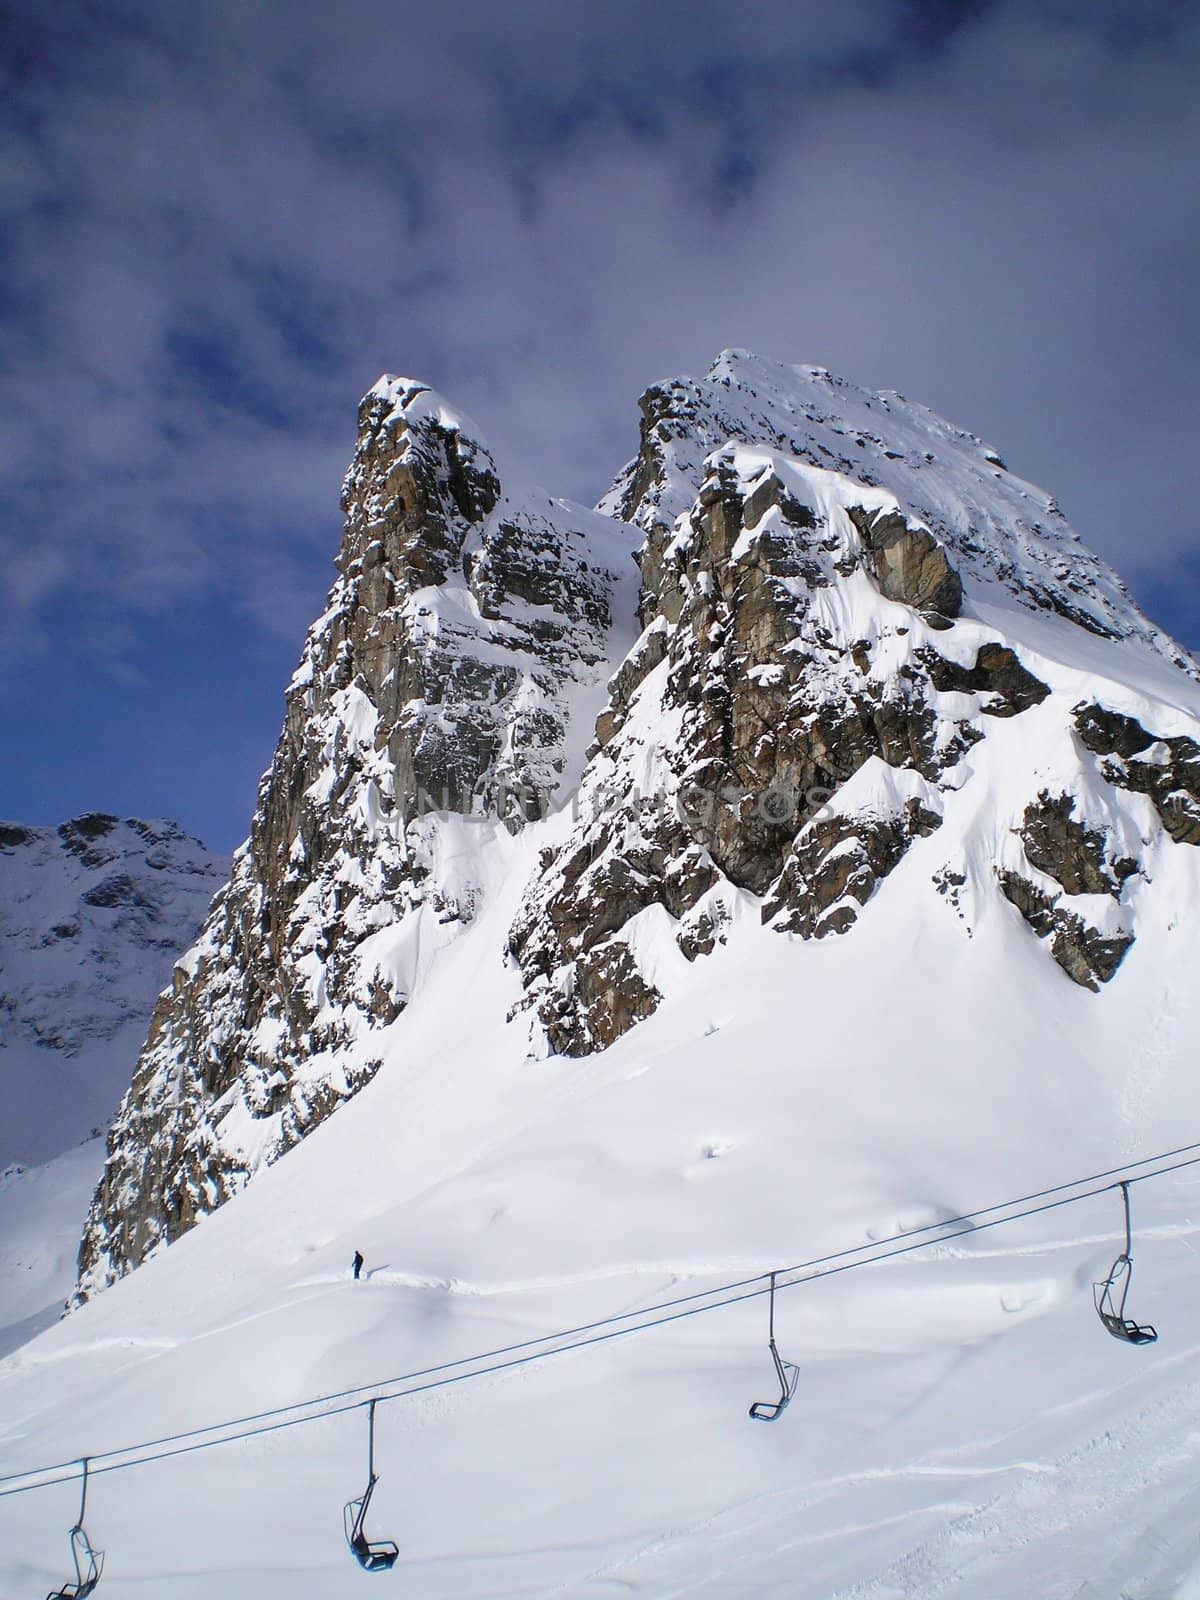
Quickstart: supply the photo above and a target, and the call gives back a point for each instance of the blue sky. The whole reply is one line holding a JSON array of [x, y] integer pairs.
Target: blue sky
[[219, 224]]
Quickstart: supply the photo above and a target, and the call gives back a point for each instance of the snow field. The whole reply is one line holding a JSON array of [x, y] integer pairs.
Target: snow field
[[939, 1394]]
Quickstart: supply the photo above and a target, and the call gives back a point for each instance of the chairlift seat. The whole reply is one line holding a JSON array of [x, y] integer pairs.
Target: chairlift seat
[[378, 1557], [1111, 1294], [769, 1410], [372, 1555], [75, 1591], [788, 1374], [1125, 1328]]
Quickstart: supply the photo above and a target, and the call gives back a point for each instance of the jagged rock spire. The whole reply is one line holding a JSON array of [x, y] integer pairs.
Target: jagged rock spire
[[436, 690]]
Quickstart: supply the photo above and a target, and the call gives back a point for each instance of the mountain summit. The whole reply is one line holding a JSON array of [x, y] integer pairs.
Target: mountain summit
[[816, 649]]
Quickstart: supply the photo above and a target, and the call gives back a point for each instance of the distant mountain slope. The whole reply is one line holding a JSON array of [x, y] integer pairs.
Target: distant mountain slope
[[92, 917]]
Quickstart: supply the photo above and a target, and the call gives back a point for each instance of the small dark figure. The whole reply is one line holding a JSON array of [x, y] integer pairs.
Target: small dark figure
[[358, 1263]]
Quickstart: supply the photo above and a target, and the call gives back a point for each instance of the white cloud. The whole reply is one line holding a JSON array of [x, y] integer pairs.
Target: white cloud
[[232, 221]]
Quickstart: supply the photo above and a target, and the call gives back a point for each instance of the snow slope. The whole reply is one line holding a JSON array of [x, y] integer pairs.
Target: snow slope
[[963, 1425]]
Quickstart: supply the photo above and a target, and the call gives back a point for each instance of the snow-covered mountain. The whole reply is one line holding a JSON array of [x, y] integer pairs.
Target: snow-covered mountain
[[92, 917], [595, 939], [848, 607]]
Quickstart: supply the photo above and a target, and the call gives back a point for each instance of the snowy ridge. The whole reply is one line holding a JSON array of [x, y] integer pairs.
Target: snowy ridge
[[1009, 538]]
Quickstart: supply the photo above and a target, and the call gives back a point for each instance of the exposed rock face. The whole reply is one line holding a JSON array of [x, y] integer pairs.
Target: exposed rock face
[[1080, 861], [1083, 870], [1166, 770], [1073, 855], [438, 685], [910, 565], [1083, 952], [998, 677], [837, 864], [762, 704], [1004, 537]]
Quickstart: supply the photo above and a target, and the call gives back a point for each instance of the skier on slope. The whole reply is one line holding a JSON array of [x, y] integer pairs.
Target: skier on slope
[[358, 1264]]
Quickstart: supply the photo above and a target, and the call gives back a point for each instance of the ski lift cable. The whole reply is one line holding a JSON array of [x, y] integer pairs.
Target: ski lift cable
[[565, 1340], [385, 1393], [239, 1428], [865, 1250]]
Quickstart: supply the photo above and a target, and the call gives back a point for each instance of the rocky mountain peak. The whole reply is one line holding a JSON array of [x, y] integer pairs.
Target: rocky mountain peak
[[450, 684], [1008, 539], [419, 481], [871, 662], [842, 598]]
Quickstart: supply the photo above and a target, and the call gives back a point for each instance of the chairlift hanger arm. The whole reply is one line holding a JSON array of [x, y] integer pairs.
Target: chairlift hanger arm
[[1112, 1292], [377, 1555], [786, 1371], [88, 1562]]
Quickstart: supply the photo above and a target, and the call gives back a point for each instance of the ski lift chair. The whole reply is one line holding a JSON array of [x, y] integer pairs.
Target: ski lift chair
[[372, 1555], [786, 1371], [1111, 1294]]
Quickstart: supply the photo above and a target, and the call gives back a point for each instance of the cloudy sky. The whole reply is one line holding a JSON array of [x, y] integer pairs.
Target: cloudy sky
[[219, 223]]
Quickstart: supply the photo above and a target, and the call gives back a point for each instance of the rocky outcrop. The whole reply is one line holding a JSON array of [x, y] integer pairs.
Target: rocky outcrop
[[1005, 538], [436, 690], [1085, 954], [1075, 856], [1075, 861], [1167, 771], [910, 565], [800, 696], [761, 708], [836, 865], [1004, 685]]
